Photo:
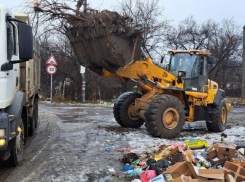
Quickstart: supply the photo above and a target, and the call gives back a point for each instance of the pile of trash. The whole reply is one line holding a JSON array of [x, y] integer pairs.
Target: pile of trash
[[189, 162]]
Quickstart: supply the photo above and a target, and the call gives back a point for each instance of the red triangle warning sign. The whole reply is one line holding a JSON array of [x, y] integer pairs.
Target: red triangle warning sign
[[52, 60]]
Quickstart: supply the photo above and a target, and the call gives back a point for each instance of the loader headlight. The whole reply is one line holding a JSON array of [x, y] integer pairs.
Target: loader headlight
[[2, 132]]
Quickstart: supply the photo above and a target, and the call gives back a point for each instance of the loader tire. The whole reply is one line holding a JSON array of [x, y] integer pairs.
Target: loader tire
[[165, 116], [121, 110], [218, 117]]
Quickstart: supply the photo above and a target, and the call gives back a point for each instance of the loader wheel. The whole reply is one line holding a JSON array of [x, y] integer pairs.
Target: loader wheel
[[165, 116], [17, 148], [123, 110], [218, 117]]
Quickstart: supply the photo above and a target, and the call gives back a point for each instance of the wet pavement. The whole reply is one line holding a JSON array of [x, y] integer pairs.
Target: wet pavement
[[70, 143]]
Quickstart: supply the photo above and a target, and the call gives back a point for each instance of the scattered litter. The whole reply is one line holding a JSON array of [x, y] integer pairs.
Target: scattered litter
[[124, 149], [109, 149], [147, 175], [130, 157], [196, 144], [159, 178], [112, 170], [207, 137], [190, 162], [136, 180], [126, 168], [137, 171], [224, 135]]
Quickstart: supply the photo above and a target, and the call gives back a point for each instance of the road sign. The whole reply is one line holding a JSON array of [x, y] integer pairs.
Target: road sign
[[52, 60], [51, 69]]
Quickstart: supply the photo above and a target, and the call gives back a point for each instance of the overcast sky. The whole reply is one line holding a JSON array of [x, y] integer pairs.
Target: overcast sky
[[177, 10]]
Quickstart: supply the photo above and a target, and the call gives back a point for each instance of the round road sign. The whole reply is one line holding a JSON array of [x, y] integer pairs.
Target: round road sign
[[51, 69]]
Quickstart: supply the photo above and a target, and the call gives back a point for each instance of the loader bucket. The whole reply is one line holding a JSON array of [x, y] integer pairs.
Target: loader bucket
[[104, 41]]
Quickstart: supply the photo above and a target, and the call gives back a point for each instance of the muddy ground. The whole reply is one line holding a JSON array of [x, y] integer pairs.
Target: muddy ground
[[70, 143]]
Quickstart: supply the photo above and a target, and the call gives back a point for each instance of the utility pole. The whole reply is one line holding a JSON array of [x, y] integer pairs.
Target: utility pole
[[243, 64]]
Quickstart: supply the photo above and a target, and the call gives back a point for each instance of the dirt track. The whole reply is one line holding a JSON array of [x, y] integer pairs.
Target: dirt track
[[70, 143]]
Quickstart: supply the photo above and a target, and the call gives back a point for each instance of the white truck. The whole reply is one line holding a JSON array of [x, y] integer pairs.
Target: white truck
[[19, 84]]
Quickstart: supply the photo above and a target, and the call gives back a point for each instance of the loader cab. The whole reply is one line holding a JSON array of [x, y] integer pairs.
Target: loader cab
[[194, 66]]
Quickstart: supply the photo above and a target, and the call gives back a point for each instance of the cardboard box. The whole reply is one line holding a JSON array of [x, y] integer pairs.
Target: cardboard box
[[239, 161], [236, 171], [225, 148], [182, 168], [215, 157], [189, 179], [214, 175]]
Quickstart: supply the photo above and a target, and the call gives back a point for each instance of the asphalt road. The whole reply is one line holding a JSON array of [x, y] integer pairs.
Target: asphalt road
[[70, 144]]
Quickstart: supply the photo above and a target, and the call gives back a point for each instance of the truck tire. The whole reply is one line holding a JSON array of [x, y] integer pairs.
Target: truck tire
[[165, 116], [17, 148], [218, 117], [36, 105], [33, 121], [121, 110]]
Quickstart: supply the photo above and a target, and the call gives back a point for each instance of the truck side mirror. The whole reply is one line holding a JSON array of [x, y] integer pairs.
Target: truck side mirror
[[25, 43], [210, 60]]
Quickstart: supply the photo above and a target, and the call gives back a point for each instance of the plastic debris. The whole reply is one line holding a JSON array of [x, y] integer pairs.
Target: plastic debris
[[109, 149], [196, 144], [174, 145], [136, 180], [112, 170], [147, 175], [157, 165], [126, 168], [136, 171], [159, 178], [124, 149], [135, 162]]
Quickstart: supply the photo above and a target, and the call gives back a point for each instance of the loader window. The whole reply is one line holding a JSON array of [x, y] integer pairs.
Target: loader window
[[183, 62], [11, 48]]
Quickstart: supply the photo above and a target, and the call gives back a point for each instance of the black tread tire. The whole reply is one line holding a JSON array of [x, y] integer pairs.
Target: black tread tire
[[215, 124], [154, 113], [33, 121], [14, 159], [120, 110], [36, 116]]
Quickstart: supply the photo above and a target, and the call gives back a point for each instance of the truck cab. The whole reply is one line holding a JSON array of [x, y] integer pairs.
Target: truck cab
[[19, 84]]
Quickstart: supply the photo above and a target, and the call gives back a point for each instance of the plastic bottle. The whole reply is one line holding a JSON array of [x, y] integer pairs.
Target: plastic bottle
[[109, 149], [136, 171]]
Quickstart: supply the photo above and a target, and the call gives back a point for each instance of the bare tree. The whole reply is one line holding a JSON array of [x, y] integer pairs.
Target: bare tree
[[147, 15]]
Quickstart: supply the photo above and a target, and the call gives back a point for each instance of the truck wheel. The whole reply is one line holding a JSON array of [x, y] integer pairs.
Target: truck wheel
[[33, 121], [218, 117], [17, 148], [36, 113], [165, 116], [123, 110]]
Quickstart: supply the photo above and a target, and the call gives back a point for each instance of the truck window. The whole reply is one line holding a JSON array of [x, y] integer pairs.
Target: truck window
[[11, 43]]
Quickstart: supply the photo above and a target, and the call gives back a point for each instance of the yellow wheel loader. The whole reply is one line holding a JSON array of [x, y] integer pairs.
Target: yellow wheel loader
[[182, 93]]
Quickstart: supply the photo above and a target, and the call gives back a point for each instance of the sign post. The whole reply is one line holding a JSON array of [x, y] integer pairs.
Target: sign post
[[51, 69]]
